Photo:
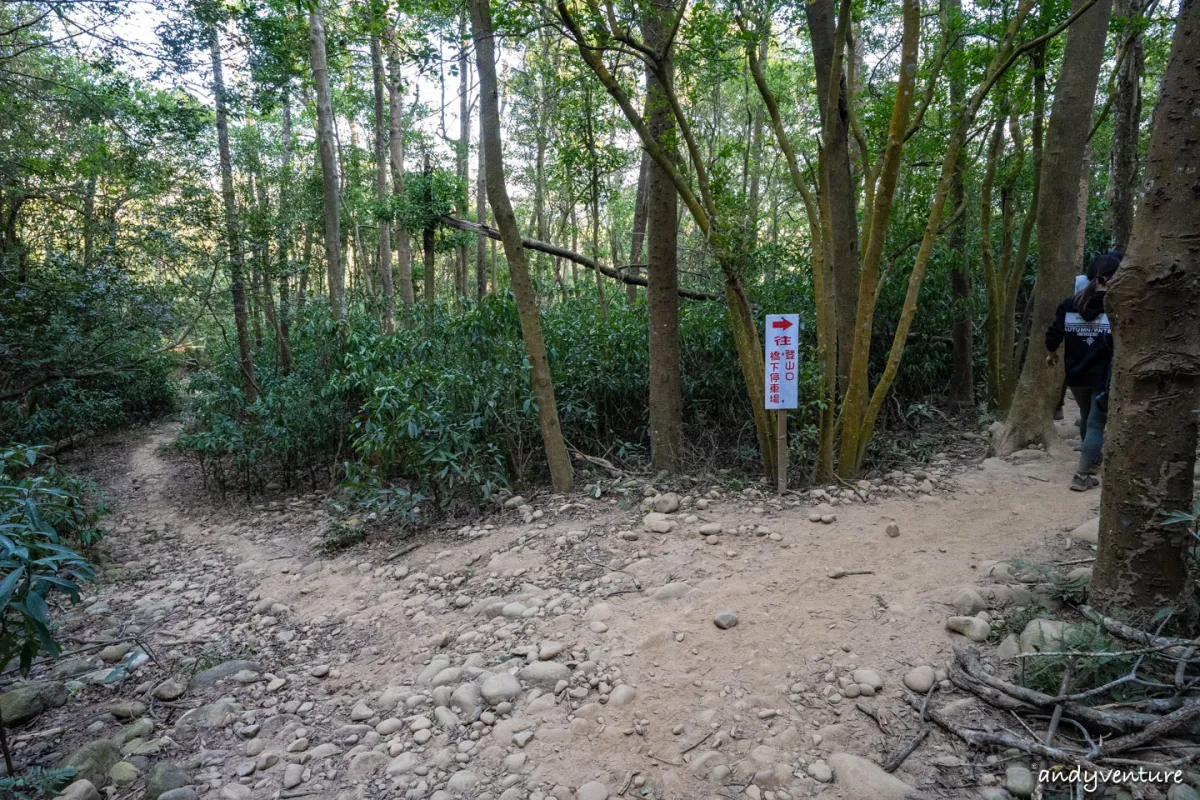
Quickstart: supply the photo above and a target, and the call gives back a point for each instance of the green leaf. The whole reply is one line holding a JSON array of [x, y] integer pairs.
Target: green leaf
[[9, 585]]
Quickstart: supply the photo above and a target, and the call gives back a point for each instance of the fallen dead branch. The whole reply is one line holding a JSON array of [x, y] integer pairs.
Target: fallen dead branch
[[979, 738], [893, 763], [1061, 727], [1178, 648]]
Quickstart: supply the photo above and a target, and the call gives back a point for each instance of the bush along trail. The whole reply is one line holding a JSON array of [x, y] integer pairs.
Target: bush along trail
[[694, 639]]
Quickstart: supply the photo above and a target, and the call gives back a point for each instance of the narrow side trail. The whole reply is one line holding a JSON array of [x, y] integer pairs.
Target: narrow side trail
[[570, 653]]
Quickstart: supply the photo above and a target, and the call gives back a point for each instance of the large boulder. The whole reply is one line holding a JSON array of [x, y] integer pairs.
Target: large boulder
[[93, 761], [209, 716], [1088, 531], [1042, 635], [30, 700], [80, 790], [545, 675], [865, 780], [501, 687], [165, 777]]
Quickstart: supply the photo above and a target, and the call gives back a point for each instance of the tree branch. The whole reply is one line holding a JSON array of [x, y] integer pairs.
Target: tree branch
[[570, 255]]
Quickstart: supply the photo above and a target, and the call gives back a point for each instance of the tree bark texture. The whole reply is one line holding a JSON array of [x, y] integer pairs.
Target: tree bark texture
[[1127, 114], [557, 459], [662, 208], [1154, 303], [962, 356], [384, 248], [637, 237], [329, 166], [842, 247], [1030, 417], [233, 232], [396, 157]]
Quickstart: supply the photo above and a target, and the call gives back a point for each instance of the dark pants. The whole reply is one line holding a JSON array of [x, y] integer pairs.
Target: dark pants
[[1093, 413], [1083, 397]]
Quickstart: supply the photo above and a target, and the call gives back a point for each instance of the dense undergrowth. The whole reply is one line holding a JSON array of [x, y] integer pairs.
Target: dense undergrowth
[[82, 350], [441, 410]]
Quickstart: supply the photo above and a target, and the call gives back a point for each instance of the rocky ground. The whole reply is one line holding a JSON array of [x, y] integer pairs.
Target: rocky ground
[[674, 642]]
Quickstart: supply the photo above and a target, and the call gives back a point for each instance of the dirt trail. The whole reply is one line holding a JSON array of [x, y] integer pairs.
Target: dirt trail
[[368, 670]]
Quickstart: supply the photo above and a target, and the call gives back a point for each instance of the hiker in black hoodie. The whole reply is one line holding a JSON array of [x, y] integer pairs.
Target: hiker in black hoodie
[[1080, 321]]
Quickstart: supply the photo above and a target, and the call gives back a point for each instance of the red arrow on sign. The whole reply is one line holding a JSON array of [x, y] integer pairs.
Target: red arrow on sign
[[781, 323]]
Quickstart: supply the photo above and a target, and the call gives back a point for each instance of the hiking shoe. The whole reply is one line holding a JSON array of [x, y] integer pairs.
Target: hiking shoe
[[1081, 483], [1058, 414]]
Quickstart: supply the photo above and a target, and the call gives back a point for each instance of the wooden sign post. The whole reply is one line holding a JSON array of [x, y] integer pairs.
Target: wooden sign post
[[782, 380]]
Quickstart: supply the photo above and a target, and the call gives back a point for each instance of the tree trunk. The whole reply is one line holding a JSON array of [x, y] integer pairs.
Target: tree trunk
[[531, 326], [541, 111], [1154, 302], [396, 156], [662, 292], [638, 236], [842, 247], [285, 197], [1085, 179], [262, 246], [329, 168], [704, 211], [233, 234], [594, 195], [462, 151], [962, 376], [428, 245], [1127, 115], [755, 152], [89, 220], [306, 258], [256, 303], [1030, 417], [381, 191], [481, 286]]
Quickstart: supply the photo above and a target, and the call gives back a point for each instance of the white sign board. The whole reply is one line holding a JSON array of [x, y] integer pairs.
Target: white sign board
[[783, 360]]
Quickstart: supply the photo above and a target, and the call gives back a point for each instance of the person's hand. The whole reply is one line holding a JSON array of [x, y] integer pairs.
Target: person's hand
[[1052, 358]]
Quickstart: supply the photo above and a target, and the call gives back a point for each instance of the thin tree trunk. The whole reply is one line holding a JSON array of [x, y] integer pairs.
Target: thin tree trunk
[[962, 374], [755, 152], [1030, 418], [427, 247], [329, 169], [1127, 116], [462, 150], [841, 247], [262, 246], [89, 220], [285, 196], [1085, 179], [637, 237], [574, 246], [302, 285], [662, 202], [531, 328], [381, 190], [495, 278], [256, 302], [233, 234], [540, 112], [481, 283], [396, 156], [1154, 302], [594, 198]]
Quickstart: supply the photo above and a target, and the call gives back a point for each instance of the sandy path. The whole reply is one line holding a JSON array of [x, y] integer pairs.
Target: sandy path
[[755, 696]]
